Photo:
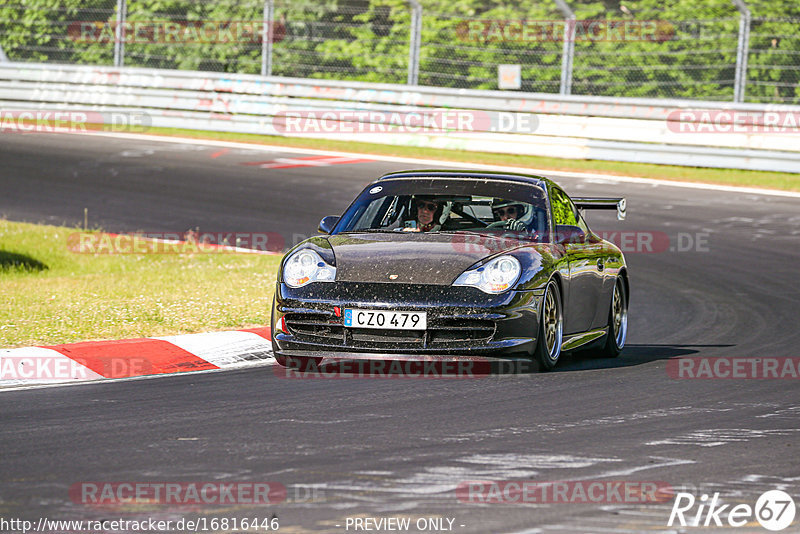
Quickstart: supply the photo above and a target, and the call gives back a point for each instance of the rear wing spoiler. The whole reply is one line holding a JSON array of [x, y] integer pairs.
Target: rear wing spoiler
[[596, 203]]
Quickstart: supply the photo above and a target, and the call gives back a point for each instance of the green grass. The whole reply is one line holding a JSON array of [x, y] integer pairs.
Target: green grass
[[768, 180], [51, 295]]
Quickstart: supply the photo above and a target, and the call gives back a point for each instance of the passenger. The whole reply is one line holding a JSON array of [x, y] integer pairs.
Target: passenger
[[427, 212]]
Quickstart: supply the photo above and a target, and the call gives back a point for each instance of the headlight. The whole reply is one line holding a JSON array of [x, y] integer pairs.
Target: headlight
[[306, 266], [493, 277]]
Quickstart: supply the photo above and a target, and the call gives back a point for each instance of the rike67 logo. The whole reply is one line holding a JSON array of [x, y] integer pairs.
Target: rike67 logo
[[774, 510]]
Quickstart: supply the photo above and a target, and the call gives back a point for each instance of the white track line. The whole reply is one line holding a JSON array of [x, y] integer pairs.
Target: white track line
[[460, 165]]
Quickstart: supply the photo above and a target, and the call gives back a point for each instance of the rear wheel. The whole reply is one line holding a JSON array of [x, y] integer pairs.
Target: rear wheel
[[551, 329], [617, 322]]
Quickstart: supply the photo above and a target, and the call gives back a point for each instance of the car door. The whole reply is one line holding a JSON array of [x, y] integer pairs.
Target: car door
[[584, 257]]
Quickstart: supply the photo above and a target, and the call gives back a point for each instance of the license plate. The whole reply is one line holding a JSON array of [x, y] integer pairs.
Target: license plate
[[386, 320]]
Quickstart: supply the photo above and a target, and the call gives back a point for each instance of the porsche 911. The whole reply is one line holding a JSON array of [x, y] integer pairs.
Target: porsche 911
[[443, 263]]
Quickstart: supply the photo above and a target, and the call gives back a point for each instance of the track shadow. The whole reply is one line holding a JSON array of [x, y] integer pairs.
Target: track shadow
[[472, 366], [11, 261], [631, 355], [399, 366]]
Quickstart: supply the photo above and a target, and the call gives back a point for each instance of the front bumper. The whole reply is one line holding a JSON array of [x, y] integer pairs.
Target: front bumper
[[461, 320]]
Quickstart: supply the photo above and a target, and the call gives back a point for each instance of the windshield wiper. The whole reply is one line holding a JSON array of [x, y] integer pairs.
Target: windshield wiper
[[369, 231], [471, 232], [517, 234]]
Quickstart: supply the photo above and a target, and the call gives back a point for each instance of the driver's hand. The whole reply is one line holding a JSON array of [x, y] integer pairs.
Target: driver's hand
[[515, 225], [511, 224]]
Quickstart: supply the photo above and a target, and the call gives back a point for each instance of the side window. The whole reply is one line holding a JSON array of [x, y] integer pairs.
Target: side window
[[582, 224], [563, 209], [375, 211]]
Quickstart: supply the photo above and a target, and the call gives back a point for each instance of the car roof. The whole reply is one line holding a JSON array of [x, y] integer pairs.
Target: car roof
[[531, 179]]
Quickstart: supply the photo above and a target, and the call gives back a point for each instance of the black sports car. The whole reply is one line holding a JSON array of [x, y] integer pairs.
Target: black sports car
[[447, 263]]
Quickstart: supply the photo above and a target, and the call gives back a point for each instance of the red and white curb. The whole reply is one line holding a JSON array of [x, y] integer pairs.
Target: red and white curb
[[434, 163], [130, 358]]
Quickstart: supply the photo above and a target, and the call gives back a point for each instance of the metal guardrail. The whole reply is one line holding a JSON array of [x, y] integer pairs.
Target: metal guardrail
[[636, 130]]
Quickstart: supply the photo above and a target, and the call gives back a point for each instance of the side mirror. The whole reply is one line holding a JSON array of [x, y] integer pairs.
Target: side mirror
[[567, 234], [327, 224]]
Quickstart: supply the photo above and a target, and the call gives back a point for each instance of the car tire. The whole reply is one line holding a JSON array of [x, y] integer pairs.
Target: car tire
[[301, 364], [280, 359], [551, 329], [617, 322]]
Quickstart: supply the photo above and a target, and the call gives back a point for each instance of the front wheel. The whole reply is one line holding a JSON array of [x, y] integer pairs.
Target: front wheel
[[299, 363], [617, 322], [551, 329]]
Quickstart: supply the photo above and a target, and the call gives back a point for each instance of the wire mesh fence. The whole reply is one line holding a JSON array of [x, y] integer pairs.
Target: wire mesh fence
[[206, 35], [44, 31], [464, 52], [355, 40], [678, 59], [773, 68], [707, 49]]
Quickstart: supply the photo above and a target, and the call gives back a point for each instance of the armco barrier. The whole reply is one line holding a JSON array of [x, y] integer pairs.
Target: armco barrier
[[602, 128]]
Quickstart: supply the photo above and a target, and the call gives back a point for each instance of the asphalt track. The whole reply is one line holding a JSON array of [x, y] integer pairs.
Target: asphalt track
[[399, 447]]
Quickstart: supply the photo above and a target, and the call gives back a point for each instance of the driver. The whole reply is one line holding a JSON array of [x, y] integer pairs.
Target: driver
[[507, 213]]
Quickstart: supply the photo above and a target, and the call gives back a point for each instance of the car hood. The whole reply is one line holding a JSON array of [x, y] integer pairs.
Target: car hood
[[414, 258]]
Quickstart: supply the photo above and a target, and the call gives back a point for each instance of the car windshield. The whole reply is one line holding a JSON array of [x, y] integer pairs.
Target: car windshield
[[443, 205]]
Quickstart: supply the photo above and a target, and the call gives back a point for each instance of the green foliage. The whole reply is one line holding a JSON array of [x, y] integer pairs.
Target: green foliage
[[774, 61], [39, 30], [691, 54]]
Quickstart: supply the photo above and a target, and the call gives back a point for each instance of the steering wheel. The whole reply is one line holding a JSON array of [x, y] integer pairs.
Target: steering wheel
[[511, 224]]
